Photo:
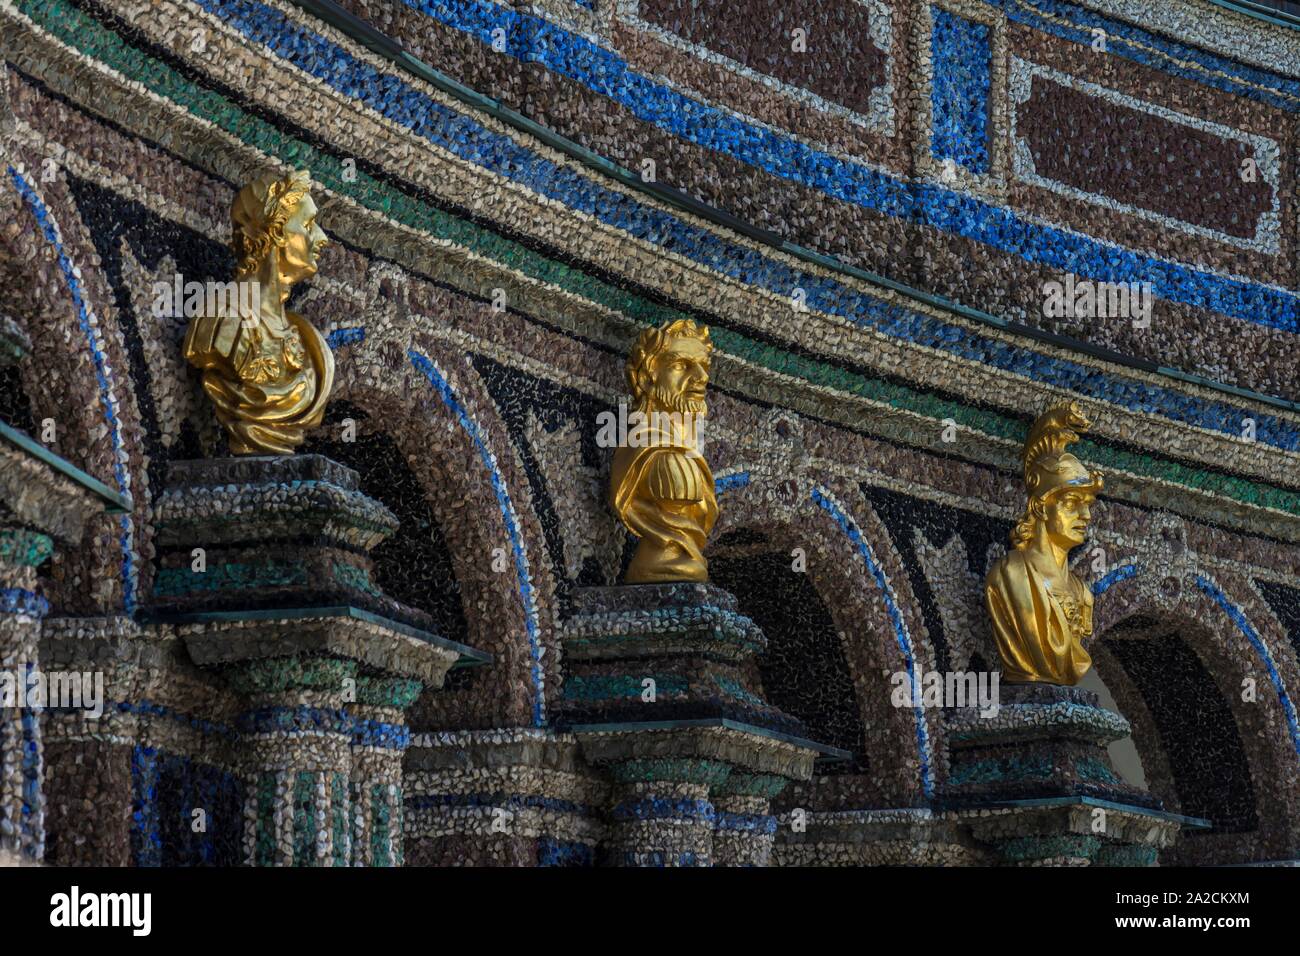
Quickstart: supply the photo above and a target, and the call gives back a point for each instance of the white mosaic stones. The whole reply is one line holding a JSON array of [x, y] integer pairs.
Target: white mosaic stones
[[1231, 34], [900, 837], [538, 776], [39, 495], [880, 117]]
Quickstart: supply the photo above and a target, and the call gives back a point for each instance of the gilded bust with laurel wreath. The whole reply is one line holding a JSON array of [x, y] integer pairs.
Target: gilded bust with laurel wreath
[[267, 370]]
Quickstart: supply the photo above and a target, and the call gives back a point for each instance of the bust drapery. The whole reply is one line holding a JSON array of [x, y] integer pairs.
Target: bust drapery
[[266, 369]]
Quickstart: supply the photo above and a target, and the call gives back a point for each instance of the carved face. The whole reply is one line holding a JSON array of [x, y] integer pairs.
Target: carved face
[[681, 373], [303, 242], [1066, 515]]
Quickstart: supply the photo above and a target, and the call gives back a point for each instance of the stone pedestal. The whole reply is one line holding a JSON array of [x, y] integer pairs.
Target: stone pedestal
[[660, 691], [379, 741], [518, 796], [270, 532], [267, 577], [1035, 781]]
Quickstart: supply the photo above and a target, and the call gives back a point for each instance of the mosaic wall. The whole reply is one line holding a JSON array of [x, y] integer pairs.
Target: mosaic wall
[[480, 294], [975, 149]]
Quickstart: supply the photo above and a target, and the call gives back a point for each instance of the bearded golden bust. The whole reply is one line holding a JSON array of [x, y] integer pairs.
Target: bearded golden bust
[[1040, 610], [661, 487], [266, 369]]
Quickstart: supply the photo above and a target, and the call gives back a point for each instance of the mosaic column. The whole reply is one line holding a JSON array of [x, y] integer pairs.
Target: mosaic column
[[43, 500], [1036, 784], [745, 827], [661, 814], [380, 738], [101, 768], [659, 694], [295, 750], [22, 808], [265, 571]]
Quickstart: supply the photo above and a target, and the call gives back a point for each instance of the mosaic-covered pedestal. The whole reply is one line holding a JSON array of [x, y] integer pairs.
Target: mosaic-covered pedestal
[[270, 532], [661, 691], [1035, 781], [266, 575]]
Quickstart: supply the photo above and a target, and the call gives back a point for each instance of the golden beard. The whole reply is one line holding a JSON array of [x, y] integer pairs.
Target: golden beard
[[665, 401]]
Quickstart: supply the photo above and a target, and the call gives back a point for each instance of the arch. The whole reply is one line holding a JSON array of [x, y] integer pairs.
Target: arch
[[81, 387], [455, 443], [803, 671], [413, 564], [1175, 666], [857, 575]]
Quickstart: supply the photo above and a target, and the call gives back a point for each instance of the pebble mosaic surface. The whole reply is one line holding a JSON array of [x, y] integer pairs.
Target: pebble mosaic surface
[[467, 682]]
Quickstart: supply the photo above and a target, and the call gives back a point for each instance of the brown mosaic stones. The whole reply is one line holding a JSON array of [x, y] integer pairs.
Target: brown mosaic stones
[[839, 61], [141, 188], [1151, 163]]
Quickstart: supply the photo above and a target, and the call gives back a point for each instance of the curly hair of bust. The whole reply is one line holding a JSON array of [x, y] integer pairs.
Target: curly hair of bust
[[651, 342], [259, 214], [1035, 471]]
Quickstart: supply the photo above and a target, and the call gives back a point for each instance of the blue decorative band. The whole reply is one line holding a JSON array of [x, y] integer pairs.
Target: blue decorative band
[[657, 808], [70, 277], [745, 822], [1114, 576], [1261, 650], [378, 733], [1072, 22], [340, 337], [21, 601], [927, 204], [294, 720], [901, 635], [725, 483], [448, 396]]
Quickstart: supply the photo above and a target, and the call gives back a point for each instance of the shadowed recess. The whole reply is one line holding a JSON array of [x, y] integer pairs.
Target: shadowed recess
[[804, 671], [1197, 730]]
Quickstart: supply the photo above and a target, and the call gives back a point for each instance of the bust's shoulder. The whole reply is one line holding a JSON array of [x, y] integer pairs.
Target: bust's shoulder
[[1013, 562]]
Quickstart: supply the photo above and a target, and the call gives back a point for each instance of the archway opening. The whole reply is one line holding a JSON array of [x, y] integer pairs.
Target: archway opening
[[414, 564], [804, 671], [1184, 729]]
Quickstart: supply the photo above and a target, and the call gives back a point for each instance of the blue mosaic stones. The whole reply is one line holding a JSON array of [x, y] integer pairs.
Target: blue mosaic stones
[[959, 99], [1210, 589], [689, 725], [24, 602], [1073, 22], [448, 396], [567, 53], [827, 503]]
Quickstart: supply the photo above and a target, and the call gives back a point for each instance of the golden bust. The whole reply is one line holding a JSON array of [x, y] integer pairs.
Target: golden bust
[[660, 485], [266, 369], [1040, 610]]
